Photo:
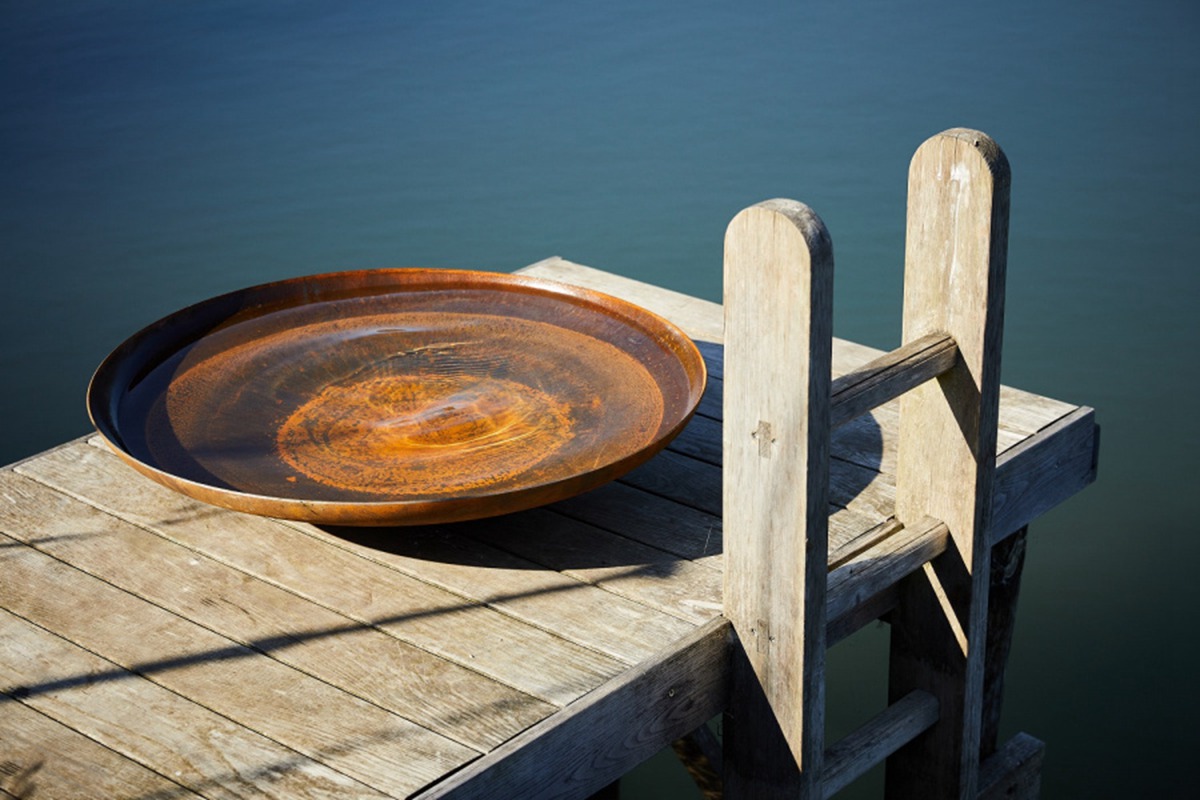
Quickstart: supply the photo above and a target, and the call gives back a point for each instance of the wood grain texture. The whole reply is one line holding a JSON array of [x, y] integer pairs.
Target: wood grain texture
[[655, 579], [651, 519], [551, 608], [700, 319], [1008, 562], [955, 252], [44, 758], [882, 565], [62, 467], [354, 737], [118, 716], [599, 738], [1022, 413], [1040, 473], [851, 757], [450, 699], [361, 583], [778, 352], [890, 376]]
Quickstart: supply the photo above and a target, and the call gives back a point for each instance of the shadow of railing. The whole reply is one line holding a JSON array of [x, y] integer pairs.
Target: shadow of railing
[[268, 645]]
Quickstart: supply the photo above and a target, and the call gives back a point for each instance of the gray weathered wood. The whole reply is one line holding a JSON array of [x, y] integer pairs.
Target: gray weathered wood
[[606, 733], [144, 723], [613, 562], [1014, 772], [1030, 425], [44, 758], [1039, 473], [445, 697], [700, 319], [368, 585], [954, 283], [1022, 413], [696, 484], [778, 339], [955, 254], [851, 758], [1008, 562], [653, 520], [360, 740], [890, 376], [884, 564], [873, 608]]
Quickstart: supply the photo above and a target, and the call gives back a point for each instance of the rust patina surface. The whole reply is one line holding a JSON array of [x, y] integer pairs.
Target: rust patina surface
[[397, 396]]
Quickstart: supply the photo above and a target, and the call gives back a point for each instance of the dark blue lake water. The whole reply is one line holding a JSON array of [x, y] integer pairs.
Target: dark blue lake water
[[153, 154]]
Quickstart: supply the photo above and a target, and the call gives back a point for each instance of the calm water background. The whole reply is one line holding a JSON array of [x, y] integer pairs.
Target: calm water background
[[153, 154]]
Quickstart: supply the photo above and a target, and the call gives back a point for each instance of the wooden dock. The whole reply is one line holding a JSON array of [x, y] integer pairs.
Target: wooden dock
[[155, 647]]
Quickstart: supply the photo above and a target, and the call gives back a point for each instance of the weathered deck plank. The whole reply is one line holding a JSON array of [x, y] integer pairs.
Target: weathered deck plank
[[354, 737], [127, 721], [608, 732], [1036, 475], [650, 519], [42, 756], [577, 612], [357, 582], [679, 587], [454, 701]]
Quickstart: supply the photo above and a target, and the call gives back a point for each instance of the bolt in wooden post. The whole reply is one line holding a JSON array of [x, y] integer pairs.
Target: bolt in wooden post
[[956, 247], [778, 342]]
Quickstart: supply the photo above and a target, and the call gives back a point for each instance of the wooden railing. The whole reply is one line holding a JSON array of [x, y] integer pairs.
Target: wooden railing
[[932, 573]]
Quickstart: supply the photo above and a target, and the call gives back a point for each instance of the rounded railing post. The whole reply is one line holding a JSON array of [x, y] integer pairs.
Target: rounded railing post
[[955, 253], [778, 344]]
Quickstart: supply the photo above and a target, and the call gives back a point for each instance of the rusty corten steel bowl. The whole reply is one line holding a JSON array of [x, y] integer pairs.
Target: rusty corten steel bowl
[[396, 396]]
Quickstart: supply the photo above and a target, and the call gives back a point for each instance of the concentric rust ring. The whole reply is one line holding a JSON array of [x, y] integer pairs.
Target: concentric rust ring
[[396, 396]]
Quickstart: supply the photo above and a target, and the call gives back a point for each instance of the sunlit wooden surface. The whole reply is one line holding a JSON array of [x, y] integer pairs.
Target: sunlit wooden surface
[[153, 646]]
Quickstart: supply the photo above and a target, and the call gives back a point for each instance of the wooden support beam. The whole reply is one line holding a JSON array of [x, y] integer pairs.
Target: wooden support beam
[[897, 725], [1008, 562], [1014, 772], [890, 376], [600, 737], [778, 353], [955, 253], [700, 754], [875, 607], [884, 564], [1034, 477]]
